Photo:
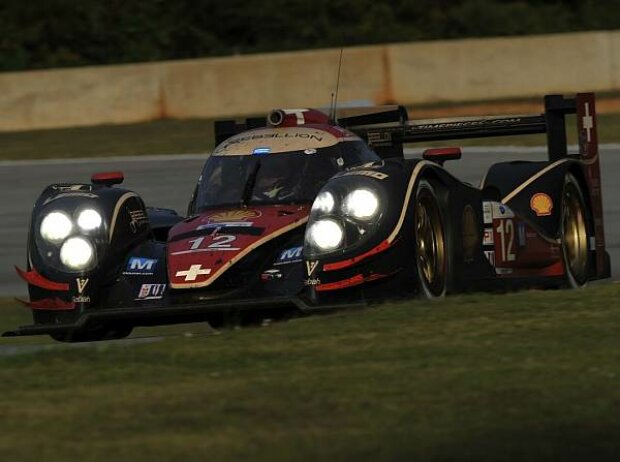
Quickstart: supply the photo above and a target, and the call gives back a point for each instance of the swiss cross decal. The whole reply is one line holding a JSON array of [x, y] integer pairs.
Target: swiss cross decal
[[193, 272], [588, 122]]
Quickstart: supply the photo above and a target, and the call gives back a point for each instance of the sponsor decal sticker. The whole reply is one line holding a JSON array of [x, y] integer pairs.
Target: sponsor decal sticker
[[193, 272], [487, 211], [312, 282], [138, 218], [541, 204], [588, 122], [311, 267], [521, 232], [368, 173], [292, 255], [261, 151], [233, 216], [81, 284], [271, 274], [81, 299], [224, 224], [501, 211], [469, 233], [490, 254], [488, 237], [140, 266], [151, 292]]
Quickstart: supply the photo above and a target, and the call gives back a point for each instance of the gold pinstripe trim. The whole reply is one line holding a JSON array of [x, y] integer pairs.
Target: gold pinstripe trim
[[414, 175], [239, 256], [531, 179], [124, 198]]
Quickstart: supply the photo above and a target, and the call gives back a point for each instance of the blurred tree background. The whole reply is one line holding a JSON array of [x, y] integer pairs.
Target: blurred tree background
[[37, 34]]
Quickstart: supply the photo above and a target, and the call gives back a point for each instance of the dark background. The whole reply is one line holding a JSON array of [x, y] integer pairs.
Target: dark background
[[36, 34]]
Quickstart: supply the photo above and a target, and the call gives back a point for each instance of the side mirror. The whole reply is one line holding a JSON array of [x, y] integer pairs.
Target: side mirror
[[107, 178], [440, 155]]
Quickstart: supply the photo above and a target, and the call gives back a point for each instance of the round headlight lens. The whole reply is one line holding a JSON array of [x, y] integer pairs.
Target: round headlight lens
[[77, 253], [326, 234], [361, 203], [55, 227], [324, 202], [89, 220]]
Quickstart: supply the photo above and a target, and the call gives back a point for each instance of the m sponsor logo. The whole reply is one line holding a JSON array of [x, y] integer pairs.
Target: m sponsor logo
[[141, 266], [292, 255]]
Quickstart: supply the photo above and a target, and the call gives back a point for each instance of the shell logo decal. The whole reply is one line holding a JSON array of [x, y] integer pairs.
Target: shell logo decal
[[233, 215], [542, 204]]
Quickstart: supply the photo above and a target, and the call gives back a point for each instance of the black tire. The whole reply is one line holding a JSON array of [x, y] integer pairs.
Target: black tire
[[574, 233], [430, 242]]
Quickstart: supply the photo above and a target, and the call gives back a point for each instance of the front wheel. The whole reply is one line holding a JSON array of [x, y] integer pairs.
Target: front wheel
[[574, 233], [430, 242]]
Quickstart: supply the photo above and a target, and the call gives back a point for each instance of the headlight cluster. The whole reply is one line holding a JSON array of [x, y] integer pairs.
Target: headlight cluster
[[339, 220], [77, 252]]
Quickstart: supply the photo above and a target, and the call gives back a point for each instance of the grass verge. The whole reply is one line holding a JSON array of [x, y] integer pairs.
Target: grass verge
[[192, 136], [531, 375]]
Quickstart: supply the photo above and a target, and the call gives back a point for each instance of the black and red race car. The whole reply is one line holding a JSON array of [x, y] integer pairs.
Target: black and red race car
[[296, 213]]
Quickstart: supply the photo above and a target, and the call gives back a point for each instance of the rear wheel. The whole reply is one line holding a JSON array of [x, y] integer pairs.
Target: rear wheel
[[575, 252], [430, 242]]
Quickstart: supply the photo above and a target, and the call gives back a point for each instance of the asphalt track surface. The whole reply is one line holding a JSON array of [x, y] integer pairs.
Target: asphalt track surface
[[168, 181]]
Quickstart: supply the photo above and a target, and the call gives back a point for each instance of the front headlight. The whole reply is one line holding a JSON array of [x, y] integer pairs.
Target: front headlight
[[77, 253], [324, 202], [325, 234], [89, 220], [362, 204], [55, 227]]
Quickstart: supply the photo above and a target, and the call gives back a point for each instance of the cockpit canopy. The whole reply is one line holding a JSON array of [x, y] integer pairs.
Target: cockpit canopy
[[286, 165]]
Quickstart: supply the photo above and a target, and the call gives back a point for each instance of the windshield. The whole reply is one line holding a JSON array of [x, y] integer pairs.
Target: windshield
[[282, 178]]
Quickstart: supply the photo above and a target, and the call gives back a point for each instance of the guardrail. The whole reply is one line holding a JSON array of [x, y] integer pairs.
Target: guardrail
[[407, 73]]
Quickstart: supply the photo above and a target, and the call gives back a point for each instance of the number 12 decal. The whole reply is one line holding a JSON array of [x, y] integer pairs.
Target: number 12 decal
[[506, 230], [220, 242]]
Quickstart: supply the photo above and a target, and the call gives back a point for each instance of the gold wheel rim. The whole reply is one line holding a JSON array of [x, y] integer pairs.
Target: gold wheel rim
[[430, 244], [575, 234]]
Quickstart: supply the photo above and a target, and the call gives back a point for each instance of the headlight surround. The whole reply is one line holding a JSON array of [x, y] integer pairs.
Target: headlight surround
[[356, 206], [325, 234], [89, 220], [58, 225], [55, 227], [77, 253]]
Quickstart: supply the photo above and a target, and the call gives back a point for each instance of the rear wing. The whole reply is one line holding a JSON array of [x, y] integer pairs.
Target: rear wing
[[388, 138]]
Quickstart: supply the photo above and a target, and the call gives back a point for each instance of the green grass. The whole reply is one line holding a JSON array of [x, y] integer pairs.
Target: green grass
[[158, 137], [191, 136], [525, 376]]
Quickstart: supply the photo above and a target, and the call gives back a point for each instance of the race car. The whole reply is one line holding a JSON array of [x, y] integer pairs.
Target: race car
[[298, 213]]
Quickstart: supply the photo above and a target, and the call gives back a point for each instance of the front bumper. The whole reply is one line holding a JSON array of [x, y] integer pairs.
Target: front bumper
[[174, 314]]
